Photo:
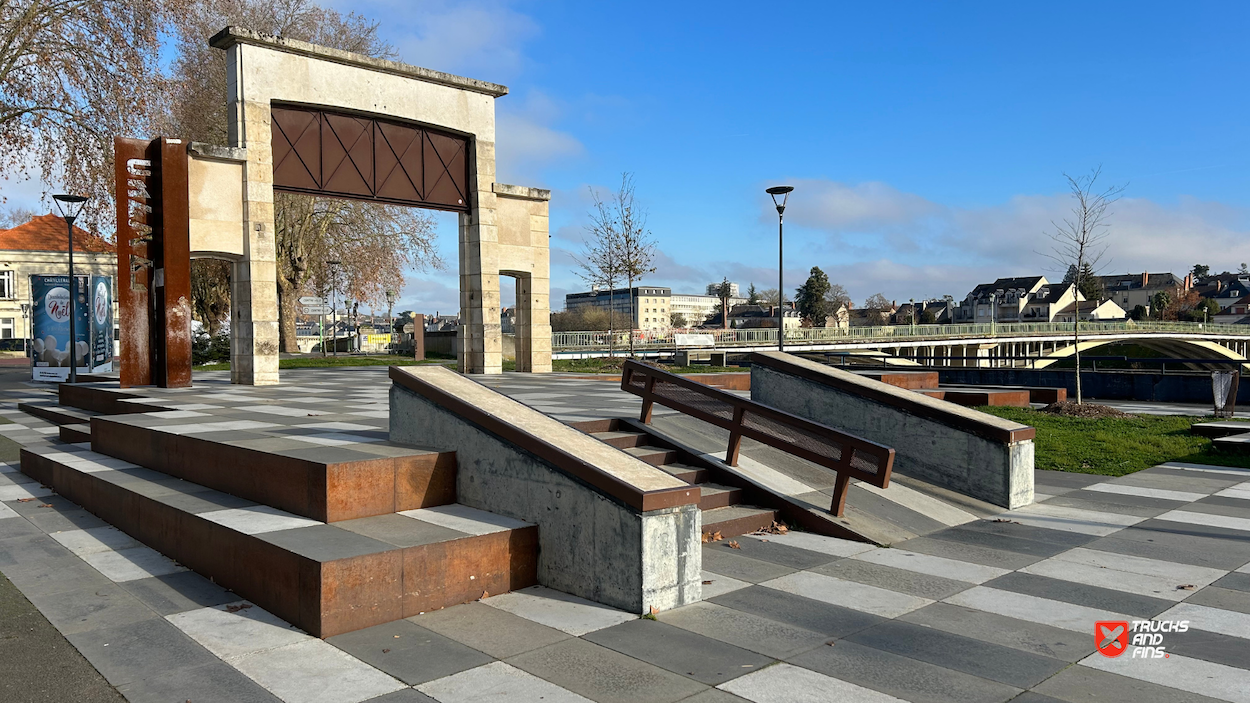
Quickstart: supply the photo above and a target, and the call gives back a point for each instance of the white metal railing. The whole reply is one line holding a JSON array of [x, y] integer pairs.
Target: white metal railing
[[651, 341]]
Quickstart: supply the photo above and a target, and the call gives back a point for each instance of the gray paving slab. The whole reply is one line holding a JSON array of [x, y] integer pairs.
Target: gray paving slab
[[178, 593], [972, 656], [1225, 598], [901, 580], [1065, 479], [1209, 646], [325, 542], [400, 530], [1116, 503], [714, 695], [1034, 697], [1005, 543], [900, 676], [37, 664], [1180, 548], [1080, 594], [407, 695], [1012, 529], [409, 652], [1229, 539], [1036, 638], [491, 630], [132, 652], [90, 608], [797, 611], [758, 634], [729, 563], [1236, 581], [774, 552], [604, 675], [60, 520], [12, 531], [960, 551], [908, 521], [1081, 684], [1231, 507], [1179, 480], [681, 651], [216, 682], [48, 577]]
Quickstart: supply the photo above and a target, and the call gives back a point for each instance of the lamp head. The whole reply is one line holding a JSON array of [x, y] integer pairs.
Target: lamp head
[[70, 206], [784, 192]]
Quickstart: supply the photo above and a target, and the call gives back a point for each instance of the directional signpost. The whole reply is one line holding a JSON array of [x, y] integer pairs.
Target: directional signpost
[[316, 305]]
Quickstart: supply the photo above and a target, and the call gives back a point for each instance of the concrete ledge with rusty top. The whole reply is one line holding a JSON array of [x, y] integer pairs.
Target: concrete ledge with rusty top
[[612, 528], [951, 446]]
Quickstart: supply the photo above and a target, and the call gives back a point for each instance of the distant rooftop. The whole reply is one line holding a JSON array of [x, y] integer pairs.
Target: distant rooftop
[[47, 233]]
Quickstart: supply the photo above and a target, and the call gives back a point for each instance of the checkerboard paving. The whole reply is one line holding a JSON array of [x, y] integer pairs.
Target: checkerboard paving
[[980, 610]]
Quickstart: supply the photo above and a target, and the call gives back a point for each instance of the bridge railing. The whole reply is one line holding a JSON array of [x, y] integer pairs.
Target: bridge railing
[[666, 340]]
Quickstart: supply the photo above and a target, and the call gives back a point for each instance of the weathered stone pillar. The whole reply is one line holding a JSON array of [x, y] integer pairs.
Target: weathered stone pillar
[[480, 348], [524, 254], [254, 288]]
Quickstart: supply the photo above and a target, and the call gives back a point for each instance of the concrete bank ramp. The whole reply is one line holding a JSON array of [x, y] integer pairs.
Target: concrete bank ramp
[[907, 508]]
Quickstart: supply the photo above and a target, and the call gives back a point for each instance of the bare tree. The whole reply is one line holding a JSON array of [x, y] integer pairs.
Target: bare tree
[[877, 306], [1080, 241], [637, 249], [599, 264], [15, 216], [73, 73], [210, 293]]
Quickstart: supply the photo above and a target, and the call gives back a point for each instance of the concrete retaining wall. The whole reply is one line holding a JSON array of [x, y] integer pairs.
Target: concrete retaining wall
[[590, 544], [954, 447]]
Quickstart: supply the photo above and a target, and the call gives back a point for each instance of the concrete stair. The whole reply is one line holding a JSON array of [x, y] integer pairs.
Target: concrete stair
[[75, 433], [1219, 429], [56, 413], [722, 505]]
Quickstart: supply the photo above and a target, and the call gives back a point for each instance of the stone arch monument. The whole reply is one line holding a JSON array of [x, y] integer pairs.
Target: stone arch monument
[[309, 119]]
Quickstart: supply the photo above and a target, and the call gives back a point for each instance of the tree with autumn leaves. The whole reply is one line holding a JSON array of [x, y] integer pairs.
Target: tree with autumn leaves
[[75, 73]]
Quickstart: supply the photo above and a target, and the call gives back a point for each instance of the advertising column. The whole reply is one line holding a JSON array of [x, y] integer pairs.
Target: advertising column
[[101, 324], [49, 313]]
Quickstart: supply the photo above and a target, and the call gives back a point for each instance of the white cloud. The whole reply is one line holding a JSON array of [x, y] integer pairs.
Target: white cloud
[[484, 37]]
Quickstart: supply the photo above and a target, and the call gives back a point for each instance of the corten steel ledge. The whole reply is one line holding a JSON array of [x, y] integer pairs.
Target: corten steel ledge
[[993, 428], [612, 486]]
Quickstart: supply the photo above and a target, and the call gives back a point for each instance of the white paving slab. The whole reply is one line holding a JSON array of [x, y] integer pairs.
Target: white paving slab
[[132, 564], [1185, 673], [500, 682], [1183, 496], [1201, 617], [785, 683], [23, 490], [717, 585], [1181, 573], [1077, 618], [6, 512], [564, 612], [926, 505], [257, 519], [96, 539], [848, 594], [176, 414], [335, 425], [315, 672], [1241, 490], [462, 518], [1203, 468], [1142, 584], [231, 635], [1058, 517], [1225, 521], [931, 565], [817, 543]]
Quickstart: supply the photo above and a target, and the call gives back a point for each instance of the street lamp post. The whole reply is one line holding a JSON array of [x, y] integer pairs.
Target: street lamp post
[[784, 192], [390, 321], [334, 309], [70, 206], [26, 328], [913, 315]]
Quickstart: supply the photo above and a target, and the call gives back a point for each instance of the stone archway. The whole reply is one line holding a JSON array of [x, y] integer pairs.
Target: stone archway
[[309, 119]]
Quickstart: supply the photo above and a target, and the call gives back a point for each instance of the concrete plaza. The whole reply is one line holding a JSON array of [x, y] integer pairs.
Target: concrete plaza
[[992, 609]]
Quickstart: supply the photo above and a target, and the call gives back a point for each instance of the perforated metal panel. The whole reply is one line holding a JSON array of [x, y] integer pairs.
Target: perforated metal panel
[[336, 154]]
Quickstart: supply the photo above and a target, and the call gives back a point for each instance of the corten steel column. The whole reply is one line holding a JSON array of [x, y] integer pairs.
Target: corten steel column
[[783, 191]]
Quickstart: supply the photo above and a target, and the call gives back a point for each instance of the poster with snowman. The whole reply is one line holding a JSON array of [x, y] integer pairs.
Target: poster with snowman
[[50, 343], [101, 324]]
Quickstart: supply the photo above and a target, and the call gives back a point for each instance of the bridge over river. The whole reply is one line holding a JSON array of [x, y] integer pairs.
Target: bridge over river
[[1027, 345]]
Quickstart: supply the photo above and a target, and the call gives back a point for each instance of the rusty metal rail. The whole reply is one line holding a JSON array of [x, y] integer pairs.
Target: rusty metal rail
[[847, 455]]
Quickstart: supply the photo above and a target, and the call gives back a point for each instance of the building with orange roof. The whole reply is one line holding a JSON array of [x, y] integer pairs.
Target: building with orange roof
[[40, 246]]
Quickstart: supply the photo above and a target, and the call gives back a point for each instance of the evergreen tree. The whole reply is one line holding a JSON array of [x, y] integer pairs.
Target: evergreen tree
[[811, 301], [753, 296], [1090, 285]]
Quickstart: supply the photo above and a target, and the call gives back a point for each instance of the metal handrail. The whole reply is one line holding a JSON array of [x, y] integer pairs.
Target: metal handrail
[[845, 454], [646, 340]]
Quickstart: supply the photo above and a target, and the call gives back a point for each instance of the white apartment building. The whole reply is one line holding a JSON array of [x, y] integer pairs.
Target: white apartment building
[[697, 308], [651, 305]]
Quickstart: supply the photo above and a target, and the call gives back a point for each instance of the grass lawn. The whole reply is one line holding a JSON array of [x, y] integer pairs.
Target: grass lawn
[[613, 366], [317, 362], [1115, 447]]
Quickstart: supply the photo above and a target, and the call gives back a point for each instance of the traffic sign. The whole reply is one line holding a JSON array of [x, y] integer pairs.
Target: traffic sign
[[312, 300], [316, 309], [408, 328]]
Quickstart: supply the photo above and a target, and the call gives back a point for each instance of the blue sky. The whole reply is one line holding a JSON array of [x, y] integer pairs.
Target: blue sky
[[927, 141]]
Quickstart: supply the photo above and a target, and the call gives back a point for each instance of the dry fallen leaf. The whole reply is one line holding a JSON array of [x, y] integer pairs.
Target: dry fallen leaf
[[1186, 587], [237, 608], [24, 500], [46, 505], [655, 610], [386, 651], [706, 583], [734, 545], [485, 595], [999, 519], [716, 536]]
